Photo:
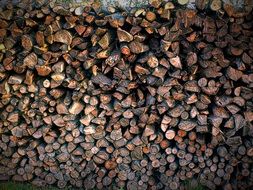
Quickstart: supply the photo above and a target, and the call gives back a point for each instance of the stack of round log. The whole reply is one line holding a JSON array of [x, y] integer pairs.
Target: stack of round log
[[155, 98]]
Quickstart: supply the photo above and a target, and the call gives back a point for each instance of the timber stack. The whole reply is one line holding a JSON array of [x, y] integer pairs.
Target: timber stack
[[140, 100]]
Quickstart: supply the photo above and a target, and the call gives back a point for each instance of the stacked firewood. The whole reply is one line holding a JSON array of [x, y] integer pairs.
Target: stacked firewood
[[142, 100]]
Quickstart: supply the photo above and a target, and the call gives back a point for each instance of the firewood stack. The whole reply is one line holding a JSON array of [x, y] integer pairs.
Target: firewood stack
[[141, 100]]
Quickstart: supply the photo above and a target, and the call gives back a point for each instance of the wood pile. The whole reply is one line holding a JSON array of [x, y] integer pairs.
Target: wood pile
[[141, 100]]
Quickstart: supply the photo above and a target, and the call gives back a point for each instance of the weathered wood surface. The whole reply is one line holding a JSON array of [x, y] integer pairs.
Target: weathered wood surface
[[140, 100]]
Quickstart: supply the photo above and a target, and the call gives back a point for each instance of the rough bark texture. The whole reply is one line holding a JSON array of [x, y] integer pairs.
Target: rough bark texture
[[141, 100]]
